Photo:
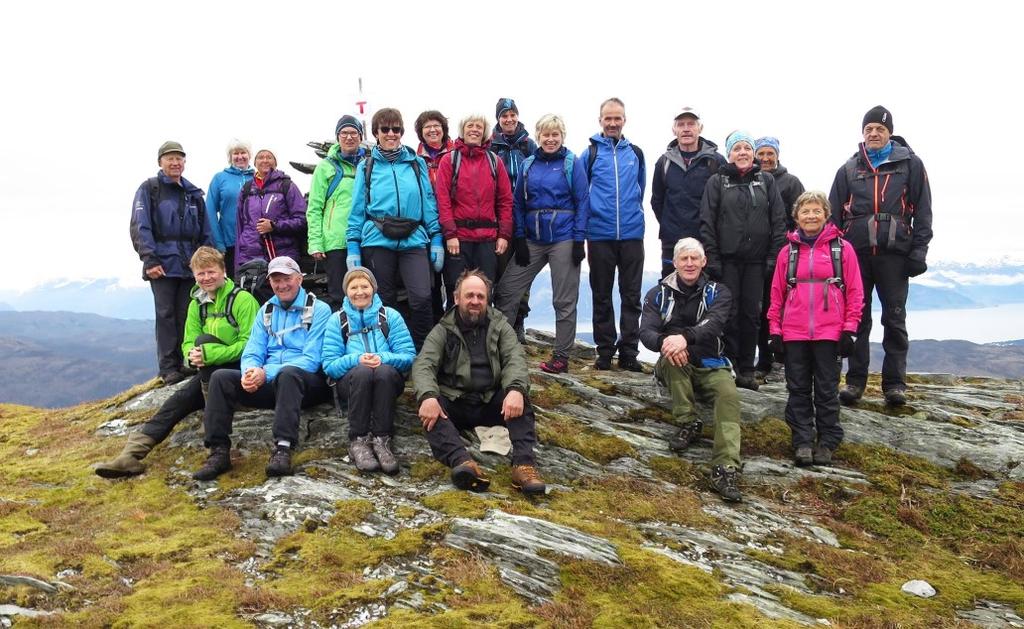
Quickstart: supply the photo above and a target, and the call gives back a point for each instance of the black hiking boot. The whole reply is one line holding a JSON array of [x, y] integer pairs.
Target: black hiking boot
[[896, 396], [850, 394], [686, 436], [822, 455], [804, 456], [630, 364], [725, 482], [747, 381], [280, 463], [603, 363], [216, 464]]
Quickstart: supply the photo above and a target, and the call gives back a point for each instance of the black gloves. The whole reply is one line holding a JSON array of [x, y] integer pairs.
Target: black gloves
[[578, 252], [846, 343], [915, 267], [522, 251], [776, 348]]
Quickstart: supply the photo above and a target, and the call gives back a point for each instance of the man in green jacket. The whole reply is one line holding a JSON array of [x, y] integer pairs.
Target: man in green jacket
[[472, 372], [330, 201], [217, 328]]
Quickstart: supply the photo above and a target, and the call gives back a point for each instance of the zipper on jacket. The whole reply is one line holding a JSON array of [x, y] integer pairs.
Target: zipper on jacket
[[615, 162], [810, 289]]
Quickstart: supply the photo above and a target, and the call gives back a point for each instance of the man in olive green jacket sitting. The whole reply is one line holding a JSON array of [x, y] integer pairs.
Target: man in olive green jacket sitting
[[472, 372]]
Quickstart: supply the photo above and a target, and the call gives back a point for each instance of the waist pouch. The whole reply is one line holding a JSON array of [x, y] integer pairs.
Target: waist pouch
[[396, 227]]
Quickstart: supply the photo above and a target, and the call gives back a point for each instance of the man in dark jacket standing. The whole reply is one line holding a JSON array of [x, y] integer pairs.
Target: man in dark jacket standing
[[679, 178], [683, 319], [766, 152], [882, 201], [472, 372], [168, 224], [615, 235]]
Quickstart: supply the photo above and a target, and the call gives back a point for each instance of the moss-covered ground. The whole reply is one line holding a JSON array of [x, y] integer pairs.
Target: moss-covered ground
[[143, 553]]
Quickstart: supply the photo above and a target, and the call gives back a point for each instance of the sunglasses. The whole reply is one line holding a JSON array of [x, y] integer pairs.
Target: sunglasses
[[398, 130]]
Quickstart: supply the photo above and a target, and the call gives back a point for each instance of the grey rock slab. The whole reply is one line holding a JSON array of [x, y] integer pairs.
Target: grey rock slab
[[992, 615], [773, 609], [17, 579], [513, 543], [16, 610]]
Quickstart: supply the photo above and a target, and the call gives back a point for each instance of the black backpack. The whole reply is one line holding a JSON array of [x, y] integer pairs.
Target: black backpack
[[835, 247], [228, 310], [592, 157], [382, 323]]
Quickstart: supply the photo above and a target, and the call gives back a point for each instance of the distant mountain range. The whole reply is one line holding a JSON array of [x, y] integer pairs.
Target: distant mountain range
[[946, 286]]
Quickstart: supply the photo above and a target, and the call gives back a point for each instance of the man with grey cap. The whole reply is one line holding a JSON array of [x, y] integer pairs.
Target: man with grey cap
[[679, 178], [168, 224], [330, 201], [280, 369], [882, 201]]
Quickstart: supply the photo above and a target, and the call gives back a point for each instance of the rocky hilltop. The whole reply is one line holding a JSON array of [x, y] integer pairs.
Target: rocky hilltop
[[629, 534]]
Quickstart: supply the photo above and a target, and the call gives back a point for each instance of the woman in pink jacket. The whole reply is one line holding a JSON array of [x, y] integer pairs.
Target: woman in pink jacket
[[816, 303]]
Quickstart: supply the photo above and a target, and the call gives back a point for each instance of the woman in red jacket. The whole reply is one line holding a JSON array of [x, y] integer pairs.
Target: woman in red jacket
[[817, 298], [474, 204]]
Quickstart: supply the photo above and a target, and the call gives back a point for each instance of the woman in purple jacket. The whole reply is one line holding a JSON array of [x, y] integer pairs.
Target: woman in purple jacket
[[817, 298], [271, 214]]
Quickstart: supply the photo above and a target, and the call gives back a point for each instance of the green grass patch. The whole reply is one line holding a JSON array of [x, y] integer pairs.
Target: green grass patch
[[562, 431]]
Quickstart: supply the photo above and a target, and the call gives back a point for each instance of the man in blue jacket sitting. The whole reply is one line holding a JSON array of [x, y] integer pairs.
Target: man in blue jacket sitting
[[280, 369]]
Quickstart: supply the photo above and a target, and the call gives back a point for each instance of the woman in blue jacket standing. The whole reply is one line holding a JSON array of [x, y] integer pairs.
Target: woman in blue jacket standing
[[368, 352], [393, 218], [222, 199], [551, 210]]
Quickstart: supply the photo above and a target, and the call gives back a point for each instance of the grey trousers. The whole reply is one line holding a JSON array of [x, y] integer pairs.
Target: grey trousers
[[565, 289]]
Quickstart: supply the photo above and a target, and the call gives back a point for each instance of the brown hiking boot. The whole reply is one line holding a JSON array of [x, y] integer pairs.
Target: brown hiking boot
[[527, 479], [468, 475], [129, 462], [216, 464]]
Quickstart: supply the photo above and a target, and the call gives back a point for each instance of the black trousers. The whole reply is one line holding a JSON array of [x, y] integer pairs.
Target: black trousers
[[887, 274], [745, 280], [667, 268], [336, 269], [170, 301], [472, 255], [182, 403], [293, 389], [813, 366], [413, 266], [447, 446], [371, 396], [764, 355], [229, 260], [604, 257]]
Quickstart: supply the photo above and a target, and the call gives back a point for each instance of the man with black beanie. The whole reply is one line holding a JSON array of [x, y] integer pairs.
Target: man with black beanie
[[882, 201]]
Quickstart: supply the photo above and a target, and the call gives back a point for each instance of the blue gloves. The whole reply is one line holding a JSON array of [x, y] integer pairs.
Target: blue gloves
[[354, 257], [437, 253]]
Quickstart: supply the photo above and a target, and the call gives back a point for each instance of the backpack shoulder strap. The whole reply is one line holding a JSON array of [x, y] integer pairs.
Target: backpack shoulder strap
[[567, 165], [367, 171], [836, 253], [794, 255], [307, 311], [268, 316], [343, 320], [524, 172], [339, 174], [382, 322], [154, 202], [456, 157], [591, 158], [229, 307], [642, 163]]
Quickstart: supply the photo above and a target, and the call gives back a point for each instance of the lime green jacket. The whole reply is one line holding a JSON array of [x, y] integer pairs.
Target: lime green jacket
[[244, 310], [327, 218]]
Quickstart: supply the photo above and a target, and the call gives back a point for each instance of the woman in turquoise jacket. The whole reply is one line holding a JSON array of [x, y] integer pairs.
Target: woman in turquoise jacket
[[368, 353], [222, 199], [393, 220]]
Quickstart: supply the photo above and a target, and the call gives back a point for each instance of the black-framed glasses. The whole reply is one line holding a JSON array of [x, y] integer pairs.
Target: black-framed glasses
[[398, 130]]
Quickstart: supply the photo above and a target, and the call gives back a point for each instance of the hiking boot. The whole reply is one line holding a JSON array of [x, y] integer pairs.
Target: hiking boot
[[520, 331], [747, 381], [555, 365], [686, 436], [280, 463], [602, 363], [216, 464], [360, 451], [822, 455], [527, 479], [386, 458], [761, 375], [804, 456], [468, 475], [724, 480], [896, 396], [630, 364], [129, 462], [850, 394], [172, 377]]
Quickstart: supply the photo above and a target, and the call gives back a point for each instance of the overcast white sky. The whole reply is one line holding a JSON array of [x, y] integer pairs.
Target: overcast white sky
[[90, 92]]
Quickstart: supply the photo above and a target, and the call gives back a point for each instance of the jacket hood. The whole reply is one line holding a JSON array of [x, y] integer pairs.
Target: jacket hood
[[448, 320], [185, 183], [672, 281], [731, 170], [468, 150], [779, 171], [498, 137], [300, 300], [828, 232], [900, 150], [275, 176], [706, 148], [238, 171], [550, 157], [335, 152], [197, 292], [600, 138]]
